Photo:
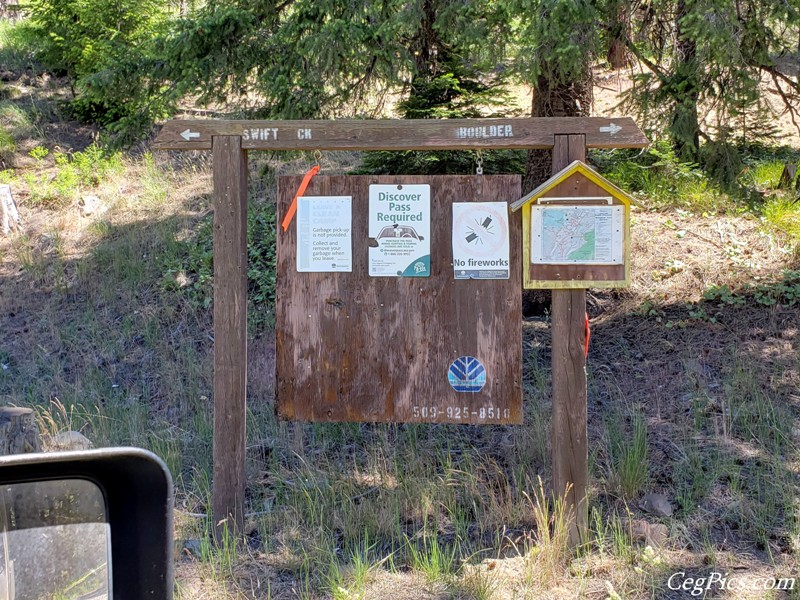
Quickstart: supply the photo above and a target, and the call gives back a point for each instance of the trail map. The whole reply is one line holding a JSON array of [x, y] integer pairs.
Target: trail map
[[576, 234]]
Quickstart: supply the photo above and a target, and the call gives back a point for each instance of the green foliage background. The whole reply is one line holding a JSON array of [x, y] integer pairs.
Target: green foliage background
[[132, 62]]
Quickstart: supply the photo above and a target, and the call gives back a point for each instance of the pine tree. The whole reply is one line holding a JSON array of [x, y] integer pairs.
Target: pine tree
[[557, 43], [446, 85], [87, 39], [712, 55]]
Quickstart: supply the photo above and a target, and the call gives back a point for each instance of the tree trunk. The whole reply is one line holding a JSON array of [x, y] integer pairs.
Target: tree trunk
[[19, 433], [619, 30], [551, 99], [426, 44], [685, 126], [787, 176]]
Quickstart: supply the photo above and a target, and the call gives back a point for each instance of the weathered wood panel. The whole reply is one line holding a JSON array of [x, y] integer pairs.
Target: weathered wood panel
[[230, 331], [351, 347], [569, 438], [397, 134]]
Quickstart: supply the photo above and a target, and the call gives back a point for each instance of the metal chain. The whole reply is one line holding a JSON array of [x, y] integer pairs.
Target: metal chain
[[479, 163]]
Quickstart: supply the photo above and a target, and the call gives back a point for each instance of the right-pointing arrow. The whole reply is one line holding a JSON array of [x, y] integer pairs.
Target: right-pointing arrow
[[613, 129]]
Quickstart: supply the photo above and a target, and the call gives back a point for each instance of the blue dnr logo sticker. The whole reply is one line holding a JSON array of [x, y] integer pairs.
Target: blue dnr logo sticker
[[467, 374]]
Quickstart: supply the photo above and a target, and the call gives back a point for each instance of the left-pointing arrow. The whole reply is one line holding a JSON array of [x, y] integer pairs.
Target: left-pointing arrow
[[189, 135]]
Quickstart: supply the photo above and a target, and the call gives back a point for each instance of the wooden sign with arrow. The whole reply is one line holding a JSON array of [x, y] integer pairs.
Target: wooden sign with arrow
[[420, 134], [231, 140]]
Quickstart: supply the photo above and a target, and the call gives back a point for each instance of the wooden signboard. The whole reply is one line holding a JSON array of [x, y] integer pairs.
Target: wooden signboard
[[576, 232], [401, 134], [482, 310], [355, 347]]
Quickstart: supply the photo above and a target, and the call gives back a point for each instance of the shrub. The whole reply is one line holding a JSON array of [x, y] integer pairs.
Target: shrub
[[74, 173], [191, 269], [93, 42]]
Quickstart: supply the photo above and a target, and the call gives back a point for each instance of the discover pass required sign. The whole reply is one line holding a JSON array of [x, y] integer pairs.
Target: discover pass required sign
[[400, 230]]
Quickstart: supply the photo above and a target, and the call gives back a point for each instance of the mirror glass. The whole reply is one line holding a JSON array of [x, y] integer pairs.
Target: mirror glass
[[55, 541]]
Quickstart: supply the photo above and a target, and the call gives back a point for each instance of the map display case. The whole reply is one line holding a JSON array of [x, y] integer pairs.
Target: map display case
[[576, 232]]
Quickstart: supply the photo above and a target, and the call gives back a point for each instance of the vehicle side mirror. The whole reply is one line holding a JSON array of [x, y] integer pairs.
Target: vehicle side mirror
[[90, 524]]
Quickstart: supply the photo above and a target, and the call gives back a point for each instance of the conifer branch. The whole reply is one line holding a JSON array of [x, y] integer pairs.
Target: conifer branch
[[776, 74], [644, 60], [283, 5], [786, 100]]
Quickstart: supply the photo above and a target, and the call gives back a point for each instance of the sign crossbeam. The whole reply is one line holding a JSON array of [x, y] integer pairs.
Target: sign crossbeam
[[402, 134]]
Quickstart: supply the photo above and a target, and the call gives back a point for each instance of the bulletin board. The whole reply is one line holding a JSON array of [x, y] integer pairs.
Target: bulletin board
[[439, 343]]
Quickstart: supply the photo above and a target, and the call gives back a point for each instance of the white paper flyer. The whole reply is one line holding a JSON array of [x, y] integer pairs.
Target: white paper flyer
[[324, 234]]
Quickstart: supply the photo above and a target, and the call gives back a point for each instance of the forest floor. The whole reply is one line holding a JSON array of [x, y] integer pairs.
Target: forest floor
[[694, 396]]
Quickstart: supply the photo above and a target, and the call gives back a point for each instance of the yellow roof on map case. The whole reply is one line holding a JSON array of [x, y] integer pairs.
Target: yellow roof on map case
[[574, 168]]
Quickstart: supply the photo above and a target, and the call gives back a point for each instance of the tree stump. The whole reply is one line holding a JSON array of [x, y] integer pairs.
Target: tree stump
[[788, 176], [8, 210], [19, 433]]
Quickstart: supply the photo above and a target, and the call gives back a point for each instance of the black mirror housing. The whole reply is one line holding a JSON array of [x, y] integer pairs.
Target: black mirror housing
[[137, 489]]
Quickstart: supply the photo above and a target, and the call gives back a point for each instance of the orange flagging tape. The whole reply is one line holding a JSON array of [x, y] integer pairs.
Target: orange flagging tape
[[287, 220], [588, 337]]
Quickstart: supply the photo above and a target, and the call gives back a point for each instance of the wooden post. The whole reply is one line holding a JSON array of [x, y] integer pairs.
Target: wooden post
[[230, 331], [569, 433], [8, 210]]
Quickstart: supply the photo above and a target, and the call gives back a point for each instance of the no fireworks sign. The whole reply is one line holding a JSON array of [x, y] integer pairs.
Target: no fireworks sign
[[480, 240]]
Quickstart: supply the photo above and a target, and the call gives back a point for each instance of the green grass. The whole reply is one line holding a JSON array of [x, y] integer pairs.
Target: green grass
[[15, 119], [348, 581], [782, 213], [430, 558], [696, 473], [156, 182], [72, 174], [659, 181], [627, 452], [547, 550], [14, 125], [763, 175], [17, 46], [755, 416], [7, 146]]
